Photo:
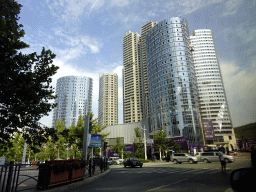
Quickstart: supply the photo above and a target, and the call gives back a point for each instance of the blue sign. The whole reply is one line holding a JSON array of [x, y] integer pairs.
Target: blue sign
[[95, 141]]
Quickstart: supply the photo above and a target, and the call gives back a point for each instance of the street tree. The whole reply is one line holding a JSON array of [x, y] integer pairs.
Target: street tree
[[161, 141], [118, 147], [176, 147], [138, 144], [25, 84]]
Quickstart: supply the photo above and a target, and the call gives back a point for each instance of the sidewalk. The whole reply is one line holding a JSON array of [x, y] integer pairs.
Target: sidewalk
[[75, 185]]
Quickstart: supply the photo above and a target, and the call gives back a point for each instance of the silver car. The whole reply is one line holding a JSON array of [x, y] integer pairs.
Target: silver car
[[208, 157], [183, 157]]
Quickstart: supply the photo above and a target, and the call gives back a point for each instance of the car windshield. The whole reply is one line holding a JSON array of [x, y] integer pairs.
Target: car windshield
[[133, 158]]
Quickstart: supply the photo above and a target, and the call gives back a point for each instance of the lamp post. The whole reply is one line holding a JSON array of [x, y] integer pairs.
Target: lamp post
[[145, 147]]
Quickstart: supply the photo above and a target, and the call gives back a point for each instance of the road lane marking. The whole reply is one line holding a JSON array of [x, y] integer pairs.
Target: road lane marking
[[157, 188]]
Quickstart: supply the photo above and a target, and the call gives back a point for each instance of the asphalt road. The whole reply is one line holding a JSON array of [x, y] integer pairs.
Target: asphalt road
[[160, 177]]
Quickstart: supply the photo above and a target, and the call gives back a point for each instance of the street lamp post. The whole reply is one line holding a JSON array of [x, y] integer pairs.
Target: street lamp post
[[145, 146]]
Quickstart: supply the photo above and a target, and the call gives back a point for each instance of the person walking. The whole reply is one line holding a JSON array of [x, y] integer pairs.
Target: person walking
[[223, 162]]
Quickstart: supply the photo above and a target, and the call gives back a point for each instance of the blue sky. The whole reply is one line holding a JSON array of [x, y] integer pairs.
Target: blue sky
[[86, 36]]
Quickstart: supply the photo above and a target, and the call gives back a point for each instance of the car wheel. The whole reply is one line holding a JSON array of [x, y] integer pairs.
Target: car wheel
[[124, 166], [141, 166], [175, 161], [180, 162], [191, 161], [206, 161]]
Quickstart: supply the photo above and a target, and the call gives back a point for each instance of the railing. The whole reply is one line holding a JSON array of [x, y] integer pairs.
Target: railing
[[12, 176], [22, 177]]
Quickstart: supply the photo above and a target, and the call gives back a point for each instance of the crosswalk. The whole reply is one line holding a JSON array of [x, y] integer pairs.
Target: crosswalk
[[168, 170]]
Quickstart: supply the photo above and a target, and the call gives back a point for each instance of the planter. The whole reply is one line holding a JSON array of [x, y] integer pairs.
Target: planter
[[77, 174], [58, 178]]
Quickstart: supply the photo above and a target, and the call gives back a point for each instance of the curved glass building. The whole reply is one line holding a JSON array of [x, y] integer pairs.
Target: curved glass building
[[171, 80], [74, 99]]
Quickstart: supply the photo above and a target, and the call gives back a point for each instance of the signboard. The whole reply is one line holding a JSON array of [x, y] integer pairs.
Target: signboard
[[95, 140], [2, 160], [208, 128]]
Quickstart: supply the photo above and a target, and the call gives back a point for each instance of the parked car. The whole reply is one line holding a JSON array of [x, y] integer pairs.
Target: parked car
[[132, 162], [183, 157], [198, 155], [208, 157], [232, 153], [115, 161]]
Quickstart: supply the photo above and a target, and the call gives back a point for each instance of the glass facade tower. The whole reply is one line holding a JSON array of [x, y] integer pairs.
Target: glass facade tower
[[212, 97], [74, 99], [171, 81]]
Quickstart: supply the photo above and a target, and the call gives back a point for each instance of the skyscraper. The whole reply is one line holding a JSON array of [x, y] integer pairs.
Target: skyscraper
[[212, 97], [108, 99], [131, 81], [171, 81], [143, 68], [74, 99]]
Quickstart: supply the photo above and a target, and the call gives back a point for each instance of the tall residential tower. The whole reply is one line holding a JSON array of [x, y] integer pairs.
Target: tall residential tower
[[74, 99], [212, 97], [143, 68], [131, 81], [108, 99]]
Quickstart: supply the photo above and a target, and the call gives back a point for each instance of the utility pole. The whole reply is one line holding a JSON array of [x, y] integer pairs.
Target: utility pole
[[85, 139], [145, 145]]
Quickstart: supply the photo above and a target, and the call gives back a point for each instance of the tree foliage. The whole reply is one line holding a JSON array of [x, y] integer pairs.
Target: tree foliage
[[25, 80], [118, 147], [96, 128], [161, 140]]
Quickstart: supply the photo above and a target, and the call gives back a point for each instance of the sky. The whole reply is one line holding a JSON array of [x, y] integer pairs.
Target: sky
[[87, 36]]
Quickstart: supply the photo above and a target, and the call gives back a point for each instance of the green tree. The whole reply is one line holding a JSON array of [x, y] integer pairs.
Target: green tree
[[176, 147], [118, 147], [161, 141], [25, 79], [75, 137], [96, 127], [15, 152], [139, 146]]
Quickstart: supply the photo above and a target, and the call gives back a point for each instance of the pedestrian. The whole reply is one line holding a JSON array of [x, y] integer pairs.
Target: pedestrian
[[223, 162]]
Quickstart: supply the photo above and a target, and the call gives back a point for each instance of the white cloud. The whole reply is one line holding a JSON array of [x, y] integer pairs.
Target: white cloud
[[120, 3], [191, 6], [231, 7], [87, 41], [240, 89]]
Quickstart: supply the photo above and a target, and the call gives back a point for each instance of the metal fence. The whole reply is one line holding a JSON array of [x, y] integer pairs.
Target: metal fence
[[18, 177], [22, 177]]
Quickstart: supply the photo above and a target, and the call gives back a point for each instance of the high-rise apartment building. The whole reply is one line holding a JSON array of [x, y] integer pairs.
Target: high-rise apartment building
[[211, 92], [74, 99], [143, 68], [108, 99], [131, 81], [171, 81]]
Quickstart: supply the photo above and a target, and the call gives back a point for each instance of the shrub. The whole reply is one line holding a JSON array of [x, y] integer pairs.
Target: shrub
[[144, 160]]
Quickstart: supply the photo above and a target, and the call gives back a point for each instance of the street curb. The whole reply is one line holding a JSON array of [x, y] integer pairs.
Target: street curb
[[72, 186]]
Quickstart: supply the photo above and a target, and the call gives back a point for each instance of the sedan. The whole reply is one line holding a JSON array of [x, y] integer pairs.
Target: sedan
[[133, 162]]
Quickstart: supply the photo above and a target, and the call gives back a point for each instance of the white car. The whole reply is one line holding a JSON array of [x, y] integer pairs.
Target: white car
[[208, 157], [115, 160], [183, 157]]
